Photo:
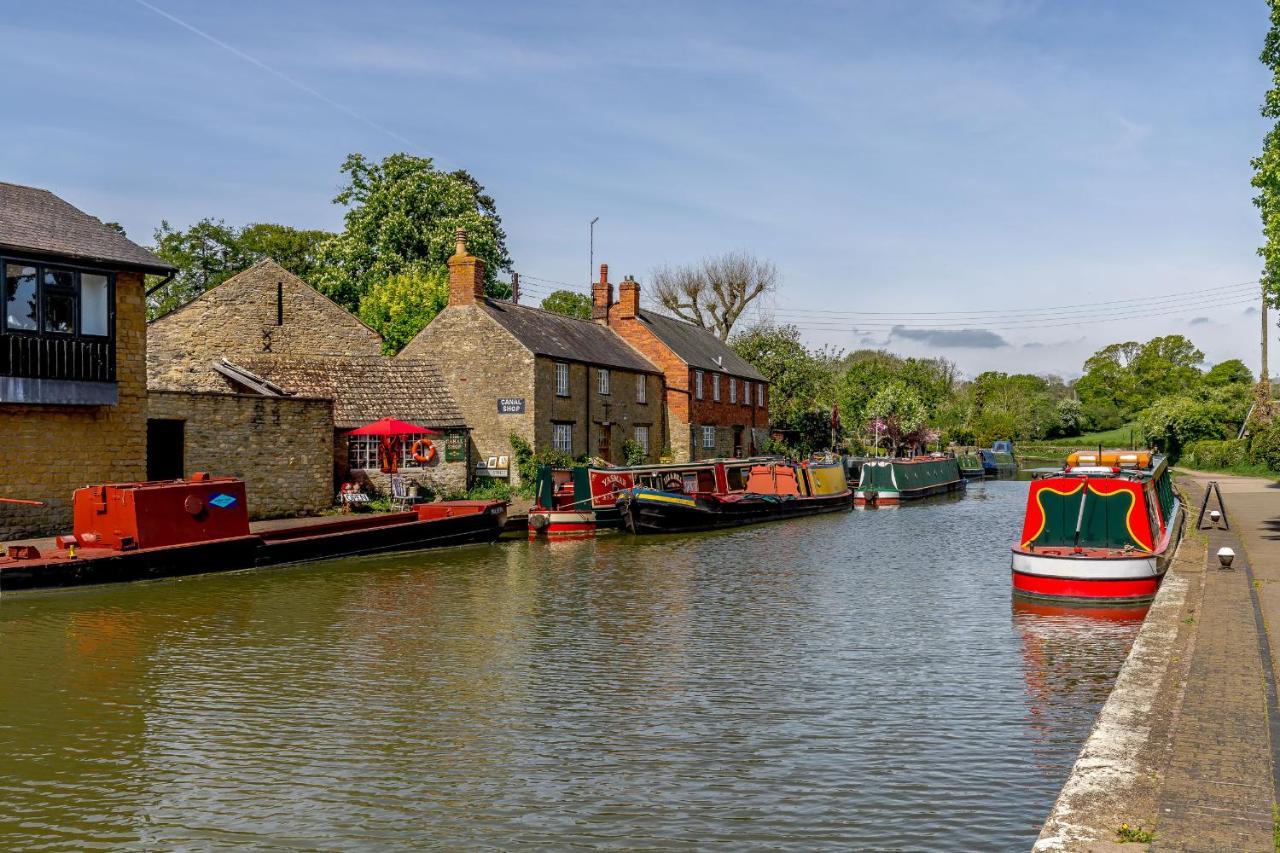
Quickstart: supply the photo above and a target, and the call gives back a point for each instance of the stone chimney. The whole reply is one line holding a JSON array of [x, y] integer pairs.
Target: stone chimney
[[466, 274], [628, 299], [601, 297]]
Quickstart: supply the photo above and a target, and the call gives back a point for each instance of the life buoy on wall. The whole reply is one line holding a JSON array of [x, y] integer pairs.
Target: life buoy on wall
[[424, 452]]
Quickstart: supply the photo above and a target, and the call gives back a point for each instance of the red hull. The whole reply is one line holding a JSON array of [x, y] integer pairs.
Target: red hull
[[1077, 589]]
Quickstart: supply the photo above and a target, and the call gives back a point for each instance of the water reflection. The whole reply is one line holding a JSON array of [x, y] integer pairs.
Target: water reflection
[[848, 680], [1071, 656]]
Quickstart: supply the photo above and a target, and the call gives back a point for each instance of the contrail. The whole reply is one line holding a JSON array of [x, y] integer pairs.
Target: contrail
[[285, 77]]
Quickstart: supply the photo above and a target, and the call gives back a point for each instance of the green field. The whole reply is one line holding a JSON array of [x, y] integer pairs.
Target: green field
[[1052, 448]]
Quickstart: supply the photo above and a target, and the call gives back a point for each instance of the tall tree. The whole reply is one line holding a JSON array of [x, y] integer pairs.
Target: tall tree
[[400, 305], [714, 292], [569, 303], [210, 252], [1266, 166], [801, 382], [401, 215]]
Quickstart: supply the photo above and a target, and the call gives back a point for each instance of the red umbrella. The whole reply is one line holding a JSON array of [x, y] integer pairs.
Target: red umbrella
[[391, 426]]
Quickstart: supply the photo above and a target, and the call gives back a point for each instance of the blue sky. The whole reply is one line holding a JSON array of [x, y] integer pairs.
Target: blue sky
[[890, 157]]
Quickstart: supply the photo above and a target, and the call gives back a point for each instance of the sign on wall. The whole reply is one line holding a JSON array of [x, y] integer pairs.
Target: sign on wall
[[454, 449], [494, 466], [511, 405]]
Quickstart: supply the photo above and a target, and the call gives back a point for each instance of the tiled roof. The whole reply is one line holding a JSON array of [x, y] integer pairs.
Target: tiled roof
[[36, 220], [557, 336], [698, 347], [363, 388]]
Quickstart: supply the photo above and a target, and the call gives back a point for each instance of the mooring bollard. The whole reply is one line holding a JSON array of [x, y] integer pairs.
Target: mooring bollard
[[1225, 556]]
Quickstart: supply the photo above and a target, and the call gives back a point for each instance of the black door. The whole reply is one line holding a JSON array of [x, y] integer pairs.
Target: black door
[[165, 449], [737, 442]]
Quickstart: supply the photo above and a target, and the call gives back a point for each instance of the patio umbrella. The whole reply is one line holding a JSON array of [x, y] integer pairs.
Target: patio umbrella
[[391, 426], [390, 430]]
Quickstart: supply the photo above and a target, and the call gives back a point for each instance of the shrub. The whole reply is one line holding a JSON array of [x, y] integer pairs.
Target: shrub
[[1211, 453], [1264, 445], [633, 453], [1172, 423], [529, 459]]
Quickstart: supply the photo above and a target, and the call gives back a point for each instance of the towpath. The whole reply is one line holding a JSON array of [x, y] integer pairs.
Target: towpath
[[1187, 744]]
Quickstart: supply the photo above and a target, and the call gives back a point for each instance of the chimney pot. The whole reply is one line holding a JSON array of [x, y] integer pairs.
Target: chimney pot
[[601, 297], [628, 298], [466, 274]]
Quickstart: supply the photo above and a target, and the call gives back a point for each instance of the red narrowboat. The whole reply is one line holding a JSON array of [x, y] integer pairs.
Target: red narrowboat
[[1103, 529]]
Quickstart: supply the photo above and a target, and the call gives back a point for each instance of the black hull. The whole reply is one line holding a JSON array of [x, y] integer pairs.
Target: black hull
[[932, 491], [276, 548], [644, 517]]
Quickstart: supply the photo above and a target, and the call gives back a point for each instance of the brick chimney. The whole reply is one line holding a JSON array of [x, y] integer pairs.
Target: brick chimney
[[601, 297], [466, 274], [628, 299]]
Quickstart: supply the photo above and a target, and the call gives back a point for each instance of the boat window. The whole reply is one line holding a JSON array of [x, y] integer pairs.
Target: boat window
[[737, 479], [706, 481], [690, 483]]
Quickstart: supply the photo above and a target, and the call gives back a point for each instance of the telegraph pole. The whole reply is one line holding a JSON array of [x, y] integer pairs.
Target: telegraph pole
[[1264, 377], [591, 263]]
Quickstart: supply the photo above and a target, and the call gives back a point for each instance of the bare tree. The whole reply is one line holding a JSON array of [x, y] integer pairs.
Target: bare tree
[[714, 292]]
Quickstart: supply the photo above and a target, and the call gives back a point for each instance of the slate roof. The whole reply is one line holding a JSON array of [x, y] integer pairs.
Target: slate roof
[[36, 220], [557, 336], [363, 388], [698, 347]]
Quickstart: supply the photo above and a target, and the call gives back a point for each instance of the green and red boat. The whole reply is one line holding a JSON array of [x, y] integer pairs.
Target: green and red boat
[[1103, 529], [892, 481]]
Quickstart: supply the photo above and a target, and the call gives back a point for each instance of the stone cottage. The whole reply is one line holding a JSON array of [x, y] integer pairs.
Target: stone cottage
[[553, 380], [717, 403], [73, 393], [267, 333]]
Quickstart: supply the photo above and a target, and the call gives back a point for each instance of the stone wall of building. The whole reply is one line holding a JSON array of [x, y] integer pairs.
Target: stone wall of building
[[481, 362], [50, 451], [282, 447], [265, 309], [588, 410]]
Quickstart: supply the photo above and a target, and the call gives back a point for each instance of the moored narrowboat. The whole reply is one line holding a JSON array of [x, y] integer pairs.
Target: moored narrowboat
[[576, 502], [771, 491], [970, 462], [169, 528], [998, 461], [1103, 529], [892, 481]]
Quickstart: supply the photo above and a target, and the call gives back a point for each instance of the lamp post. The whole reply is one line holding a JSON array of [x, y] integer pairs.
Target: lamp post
[[591, 262]]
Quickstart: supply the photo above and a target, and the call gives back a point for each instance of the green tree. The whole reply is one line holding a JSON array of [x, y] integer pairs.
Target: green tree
[[1230, 372], [1171, 423], [210, 252], [569, 303], [801, 382], [898, 414], [399, 306], [1266, 166], [401, 215]]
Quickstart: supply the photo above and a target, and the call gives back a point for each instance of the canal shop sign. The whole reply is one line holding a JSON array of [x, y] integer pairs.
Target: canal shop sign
[[454, 449], [511, 405]]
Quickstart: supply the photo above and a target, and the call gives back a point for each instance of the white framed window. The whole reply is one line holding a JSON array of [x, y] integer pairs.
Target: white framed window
[[642, 388], [362, 452], [760, 395], [733, 390], [603, 376], [642, 438], [562, 437], [697, 384], [715, 387], [708, 438], [746, 392], [562, 379]]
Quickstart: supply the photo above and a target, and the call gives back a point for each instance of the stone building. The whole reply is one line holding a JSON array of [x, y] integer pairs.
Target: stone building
[[267, 333], [364, 389], [73, 392], [553, 380], [717, 403]]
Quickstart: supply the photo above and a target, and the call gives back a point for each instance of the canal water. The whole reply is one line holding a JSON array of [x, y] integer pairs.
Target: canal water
[[858, 679]]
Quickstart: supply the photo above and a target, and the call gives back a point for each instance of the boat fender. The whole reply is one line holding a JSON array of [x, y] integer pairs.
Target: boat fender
[[538, 521], [424, 452]]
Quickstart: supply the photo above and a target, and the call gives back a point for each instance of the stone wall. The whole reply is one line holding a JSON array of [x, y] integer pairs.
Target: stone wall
[[480, 362], [588, 410], [265, 309], [50, 451], [282, 447]]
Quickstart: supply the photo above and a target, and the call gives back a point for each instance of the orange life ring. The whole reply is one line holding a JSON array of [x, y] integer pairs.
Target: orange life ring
[[424, 452]]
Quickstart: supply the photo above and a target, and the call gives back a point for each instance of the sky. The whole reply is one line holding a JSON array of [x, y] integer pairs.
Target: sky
[[1008, 184]]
